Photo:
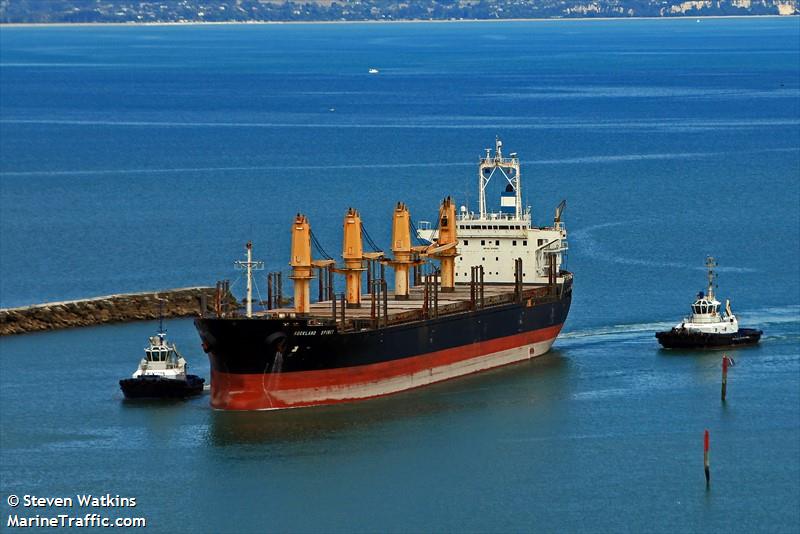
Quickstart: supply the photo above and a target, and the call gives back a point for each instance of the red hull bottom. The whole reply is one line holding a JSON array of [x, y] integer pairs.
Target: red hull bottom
[[311, 388]]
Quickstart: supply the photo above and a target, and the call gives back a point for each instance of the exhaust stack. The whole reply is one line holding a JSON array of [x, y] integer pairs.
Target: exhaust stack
[[301, 263], [353, 255]]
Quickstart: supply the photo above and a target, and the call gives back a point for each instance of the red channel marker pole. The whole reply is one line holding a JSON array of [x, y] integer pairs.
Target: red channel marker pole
[[705, 460], [724, 376]]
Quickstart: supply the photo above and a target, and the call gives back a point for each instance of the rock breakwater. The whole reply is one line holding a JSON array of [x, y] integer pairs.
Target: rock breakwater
[[182, 302]]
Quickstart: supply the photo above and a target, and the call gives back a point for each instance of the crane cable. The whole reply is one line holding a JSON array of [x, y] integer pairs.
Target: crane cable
[[318, 247], [368, 239]]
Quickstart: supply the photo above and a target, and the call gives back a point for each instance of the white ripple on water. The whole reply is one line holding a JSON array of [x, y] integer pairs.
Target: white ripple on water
[[599, 91], [601, 393], [65, 64], [771, 315], [591, 247], [563, 161], [627, 157], [234, 169], [669, 125], [633, 383], [615, 333]]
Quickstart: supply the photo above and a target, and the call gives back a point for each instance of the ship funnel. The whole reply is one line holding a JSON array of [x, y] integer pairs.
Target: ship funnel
[[353, 255], [446, 250], [301, 263], [401, 249]]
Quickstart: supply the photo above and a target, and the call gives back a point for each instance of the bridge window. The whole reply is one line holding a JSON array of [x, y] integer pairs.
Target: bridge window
[[466, 242], [497, 243], [483, 242], [514, 243], [525, 243]]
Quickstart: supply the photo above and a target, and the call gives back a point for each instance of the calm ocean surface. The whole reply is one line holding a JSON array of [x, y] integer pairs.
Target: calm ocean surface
[[140, 158]]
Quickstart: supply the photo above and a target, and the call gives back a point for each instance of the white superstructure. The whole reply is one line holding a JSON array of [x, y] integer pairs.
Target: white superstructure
[[161, 359], [706, 316], [495, 239]]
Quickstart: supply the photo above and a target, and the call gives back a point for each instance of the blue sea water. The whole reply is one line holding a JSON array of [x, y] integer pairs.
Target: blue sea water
[[141, 158]]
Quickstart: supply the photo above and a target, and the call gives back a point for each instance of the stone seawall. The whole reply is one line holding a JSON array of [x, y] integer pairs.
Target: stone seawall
[[110, 309]]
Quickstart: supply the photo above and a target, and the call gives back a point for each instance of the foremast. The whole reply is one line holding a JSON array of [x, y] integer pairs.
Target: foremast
[[249, 265]]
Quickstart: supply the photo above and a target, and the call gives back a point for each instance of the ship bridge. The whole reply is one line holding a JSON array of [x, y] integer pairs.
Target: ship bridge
[[493, 239]]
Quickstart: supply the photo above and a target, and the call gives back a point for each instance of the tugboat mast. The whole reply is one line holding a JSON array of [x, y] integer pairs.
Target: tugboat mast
[[710, 264], [161, 332], [249, 265]]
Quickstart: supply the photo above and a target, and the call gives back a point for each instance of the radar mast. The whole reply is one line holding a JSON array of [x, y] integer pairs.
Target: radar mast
[[508, 167]]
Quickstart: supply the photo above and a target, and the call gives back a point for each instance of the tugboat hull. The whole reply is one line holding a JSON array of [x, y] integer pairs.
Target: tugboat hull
[[156, 387], [684, 339]]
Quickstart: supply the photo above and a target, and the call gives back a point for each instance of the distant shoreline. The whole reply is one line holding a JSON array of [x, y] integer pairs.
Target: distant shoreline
[[406, 21]]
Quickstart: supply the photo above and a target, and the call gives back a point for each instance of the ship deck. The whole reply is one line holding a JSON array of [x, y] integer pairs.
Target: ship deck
[[413, 308]]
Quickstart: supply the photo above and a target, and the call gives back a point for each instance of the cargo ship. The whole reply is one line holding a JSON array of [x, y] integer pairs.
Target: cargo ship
[[474, 292]]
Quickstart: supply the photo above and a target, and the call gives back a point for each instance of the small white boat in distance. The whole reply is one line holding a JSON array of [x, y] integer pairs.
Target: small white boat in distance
[[373, 70]]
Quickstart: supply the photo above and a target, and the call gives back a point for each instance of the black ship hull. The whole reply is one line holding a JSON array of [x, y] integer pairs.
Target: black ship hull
[[272, 363], [156, 387], [683, 339]]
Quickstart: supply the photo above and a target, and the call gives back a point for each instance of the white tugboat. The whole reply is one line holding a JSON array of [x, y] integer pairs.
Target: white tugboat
[[707, 326], [161, 373]]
